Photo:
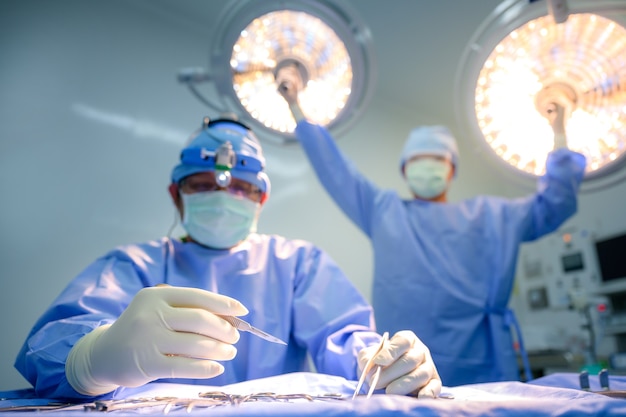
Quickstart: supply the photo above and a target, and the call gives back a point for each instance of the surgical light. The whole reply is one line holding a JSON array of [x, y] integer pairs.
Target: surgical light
[[577, 61], [286, 37], [581, 63], [328, 45]]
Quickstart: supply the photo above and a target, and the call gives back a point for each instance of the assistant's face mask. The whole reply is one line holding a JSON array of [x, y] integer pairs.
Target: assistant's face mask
[[427, 177], [218, 219]]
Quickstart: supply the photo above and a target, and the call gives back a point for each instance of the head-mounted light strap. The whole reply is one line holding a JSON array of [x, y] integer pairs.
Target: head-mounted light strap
[[206, 158]]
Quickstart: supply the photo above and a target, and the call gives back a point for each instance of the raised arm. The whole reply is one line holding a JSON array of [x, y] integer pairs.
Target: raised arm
[[350, 190], [556, 198]]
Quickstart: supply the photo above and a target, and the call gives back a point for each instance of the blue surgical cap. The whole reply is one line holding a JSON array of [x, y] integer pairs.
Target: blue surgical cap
[[250, 160], [430, 140]]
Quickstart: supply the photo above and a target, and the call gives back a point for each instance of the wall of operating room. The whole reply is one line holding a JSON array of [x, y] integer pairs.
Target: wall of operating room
[[91, 122]]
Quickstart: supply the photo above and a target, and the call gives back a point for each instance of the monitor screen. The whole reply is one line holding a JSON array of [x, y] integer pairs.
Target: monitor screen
[[612, 257], [573, 262]]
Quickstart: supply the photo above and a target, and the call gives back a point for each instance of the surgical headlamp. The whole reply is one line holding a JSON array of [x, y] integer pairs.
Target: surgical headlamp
[[223, 160]]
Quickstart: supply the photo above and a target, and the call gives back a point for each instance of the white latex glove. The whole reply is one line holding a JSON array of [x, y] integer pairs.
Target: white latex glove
[[289, 85], [408, 367], [165, 332], [556, 115]]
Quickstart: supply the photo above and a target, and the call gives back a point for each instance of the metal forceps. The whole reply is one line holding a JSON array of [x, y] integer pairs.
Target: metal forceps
[[243, 325], [368, 367]]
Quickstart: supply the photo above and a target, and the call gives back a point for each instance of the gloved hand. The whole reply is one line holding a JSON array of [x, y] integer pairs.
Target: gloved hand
[[556, 117], [290, 84], [165, 332], [407, 365]]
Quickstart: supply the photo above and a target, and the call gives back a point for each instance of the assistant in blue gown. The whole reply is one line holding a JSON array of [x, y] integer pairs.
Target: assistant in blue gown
[[444, 270]]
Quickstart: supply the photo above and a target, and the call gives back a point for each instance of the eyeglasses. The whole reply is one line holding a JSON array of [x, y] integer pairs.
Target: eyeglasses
[[430, 156], [205, 182]]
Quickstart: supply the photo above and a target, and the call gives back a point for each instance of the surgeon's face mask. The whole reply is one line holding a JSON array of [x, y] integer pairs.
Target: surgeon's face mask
[[428, 177], [218, 219]]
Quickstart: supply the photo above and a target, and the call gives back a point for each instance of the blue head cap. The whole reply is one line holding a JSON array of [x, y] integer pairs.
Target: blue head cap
[[199, 153], [430, 140]]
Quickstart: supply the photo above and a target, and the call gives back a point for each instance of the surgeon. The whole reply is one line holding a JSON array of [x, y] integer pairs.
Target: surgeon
[[444, 270], [152, 311]]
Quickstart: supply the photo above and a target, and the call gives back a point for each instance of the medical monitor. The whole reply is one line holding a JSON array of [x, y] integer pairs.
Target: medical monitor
[[612, 258]]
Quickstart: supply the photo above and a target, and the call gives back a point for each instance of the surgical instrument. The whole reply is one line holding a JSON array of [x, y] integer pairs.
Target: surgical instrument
[[584, 380], [242, 325], [603, 376], [368, 367]]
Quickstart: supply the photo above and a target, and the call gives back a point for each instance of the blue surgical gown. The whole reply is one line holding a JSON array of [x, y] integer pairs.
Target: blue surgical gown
[[446, 270], [292, 289]]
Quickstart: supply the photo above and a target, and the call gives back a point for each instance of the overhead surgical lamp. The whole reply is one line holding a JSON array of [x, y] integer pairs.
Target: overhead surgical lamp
[[257, 39], [522, 61]]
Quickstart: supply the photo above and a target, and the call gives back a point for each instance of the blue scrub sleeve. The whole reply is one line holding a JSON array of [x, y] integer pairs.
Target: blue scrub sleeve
[[81, 307], [331, 318], [352, 192], [556, 199]]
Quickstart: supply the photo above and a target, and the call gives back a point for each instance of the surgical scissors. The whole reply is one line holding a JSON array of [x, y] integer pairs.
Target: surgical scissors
[[243, 325], [368, 367]]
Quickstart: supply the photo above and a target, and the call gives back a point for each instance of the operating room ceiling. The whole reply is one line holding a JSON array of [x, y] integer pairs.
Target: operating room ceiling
[[418, 47], [417, 44]]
